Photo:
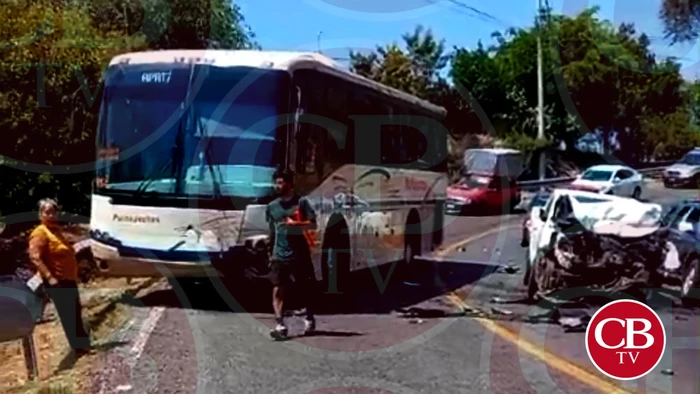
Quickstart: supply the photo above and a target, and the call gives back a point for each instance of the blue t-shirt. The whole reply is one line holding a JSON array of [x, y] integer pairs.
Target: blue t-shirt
[[288, 242]]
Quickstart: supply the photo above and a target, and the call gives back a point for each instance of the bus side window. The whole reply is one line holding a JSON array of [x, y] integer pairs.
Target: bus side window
[[360, 106], [439, 152], [307, 138], [387, 135], [336, 139]]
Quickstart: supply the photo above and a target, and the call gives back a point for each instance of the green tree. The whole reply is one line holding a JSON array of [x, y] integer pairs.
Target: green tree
[[52, 55], [596, 76], [177, 24], [670, 135], [415, 69], [681, 19]]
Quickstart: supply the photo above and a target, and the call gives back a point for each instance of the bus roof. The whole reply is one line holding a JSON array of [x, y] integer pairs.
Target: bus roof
[[276, 60]]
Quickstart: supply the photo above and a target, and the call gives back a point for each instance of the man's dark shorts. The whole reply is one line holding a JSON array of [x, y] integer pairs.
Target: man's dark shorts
[[281, 272]]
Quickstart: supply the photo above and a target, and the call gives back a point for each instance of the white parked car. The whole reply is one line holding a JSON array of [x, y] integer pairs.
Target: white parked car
[[611, 179], [685, 172]]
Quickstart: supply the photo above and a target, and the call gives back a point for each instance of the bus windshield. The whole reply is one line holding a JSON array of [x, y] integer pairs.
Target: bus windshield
[[151, 141]]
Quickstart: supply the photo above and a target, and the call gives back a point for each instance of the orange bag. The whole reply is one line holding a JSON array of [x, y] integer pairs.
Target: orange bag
[[309, 234]]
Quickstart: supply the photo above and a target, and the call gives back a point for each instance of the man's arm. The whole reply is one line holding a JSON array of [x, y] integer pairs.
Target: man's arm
[[308, 215], [37, 245], [271, 237]]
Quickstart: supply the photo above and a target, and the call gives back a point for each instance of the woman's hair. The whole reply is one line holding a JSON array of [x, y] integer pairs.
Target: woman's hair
[[47, 202]]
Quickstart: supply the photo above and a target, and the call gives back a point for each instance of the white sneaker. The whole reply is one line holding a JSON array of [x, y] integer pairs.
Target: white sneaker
[[309, 326], [279, 332]]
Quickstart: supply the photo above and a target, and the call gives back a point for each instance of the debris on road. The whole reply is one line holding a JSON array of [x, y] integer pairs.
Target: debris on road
[[499, 300], [504, 312], [574, 324], [509, 269], [413, 312], [668, 372]]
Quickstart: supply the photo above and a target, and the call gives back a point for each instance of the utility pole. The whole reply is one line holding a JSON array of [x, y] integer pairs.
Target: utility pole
[[540, 93], [319, 41]]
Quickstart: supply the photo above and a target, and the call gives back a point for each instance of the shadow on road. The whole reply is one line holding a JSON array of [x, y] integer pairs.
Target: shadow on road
[[372, 291]]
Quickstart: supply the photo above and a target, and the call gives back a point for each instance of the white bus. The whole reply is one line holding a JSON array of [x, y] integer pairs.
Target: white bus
[[188, 142]]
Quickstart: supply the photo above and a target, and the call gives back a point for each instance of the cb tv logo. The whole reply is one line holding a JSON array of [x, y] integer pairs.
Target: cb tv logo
[[625, 339]]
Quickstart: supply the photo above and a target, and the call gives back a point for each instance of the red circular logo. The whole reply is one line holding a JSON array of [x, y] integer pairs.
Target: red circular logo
[[625, 339]]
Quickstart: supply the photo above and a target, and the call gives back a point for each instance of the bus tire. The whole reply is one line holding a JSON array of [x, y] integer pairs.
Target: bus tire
[[335, 257]]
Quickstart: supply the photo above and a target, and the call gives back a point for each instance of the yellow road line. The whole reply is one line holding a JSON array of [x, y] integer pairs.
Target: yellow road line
[[538, 352], [456, 245]]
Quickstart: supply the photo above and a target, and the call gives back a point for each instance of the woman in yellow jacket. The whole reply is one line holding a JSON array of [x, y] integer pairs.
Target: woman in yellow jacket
[[55, 260]]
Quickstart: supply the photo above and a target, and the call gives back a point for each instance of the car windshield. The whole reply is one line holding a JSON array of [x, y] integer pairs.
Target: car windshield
[[691, 159], [670, 215], [597, 175], [474, 182], [226, 139], [589, 200], [539, 200], [489, 163]]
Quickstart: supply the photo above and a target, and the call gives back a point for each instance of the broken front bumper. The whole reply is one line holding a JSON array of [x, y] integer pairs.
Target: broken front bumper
[[115, 261]]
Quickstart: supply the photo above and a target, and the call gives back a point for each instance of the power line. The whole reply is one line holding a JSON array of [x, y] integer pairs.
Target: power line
[[477, 13]]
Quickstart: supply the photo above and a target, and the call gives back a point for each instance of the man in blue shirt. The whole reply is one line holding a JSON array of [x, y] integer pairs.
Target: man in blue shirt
[[290, 256]]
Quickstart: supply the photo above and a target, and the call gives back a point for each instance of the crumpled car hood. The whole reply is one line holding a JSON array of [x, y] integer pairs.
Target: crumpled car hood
[[624, 217]]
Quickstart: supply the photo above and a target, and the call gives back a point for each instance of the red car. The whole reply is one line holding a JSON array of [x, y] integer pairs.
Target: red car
[[482, 193]]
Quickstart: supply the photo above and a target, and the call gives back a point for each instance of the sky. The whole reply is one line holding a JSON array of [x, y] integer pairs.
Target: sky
[[363, 24]]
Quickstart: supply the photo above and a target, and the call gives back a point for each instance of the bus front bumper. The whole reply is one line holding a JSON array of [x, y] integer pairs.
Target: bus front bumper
[[110, 263]]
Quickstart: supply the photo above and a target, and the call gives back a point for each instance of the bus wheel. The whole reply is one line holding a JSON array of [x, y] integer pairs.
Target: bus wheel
[[335, 258]]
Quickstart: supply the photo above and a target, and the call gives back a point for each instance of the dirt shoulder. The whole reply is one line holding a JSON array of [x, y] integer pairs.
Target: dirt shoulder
[[58, 369]]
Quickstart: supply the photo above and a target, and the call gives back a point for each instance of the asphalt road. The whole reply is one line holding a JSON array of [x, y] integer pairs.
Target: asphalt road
[[437, 329]]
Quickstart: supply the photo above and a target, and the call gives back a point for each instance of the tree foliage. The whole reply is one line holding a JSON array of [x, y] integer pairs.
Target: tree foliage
[[414, 69], [670, 135], [681, 19], [183, 24], [597, 77]]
